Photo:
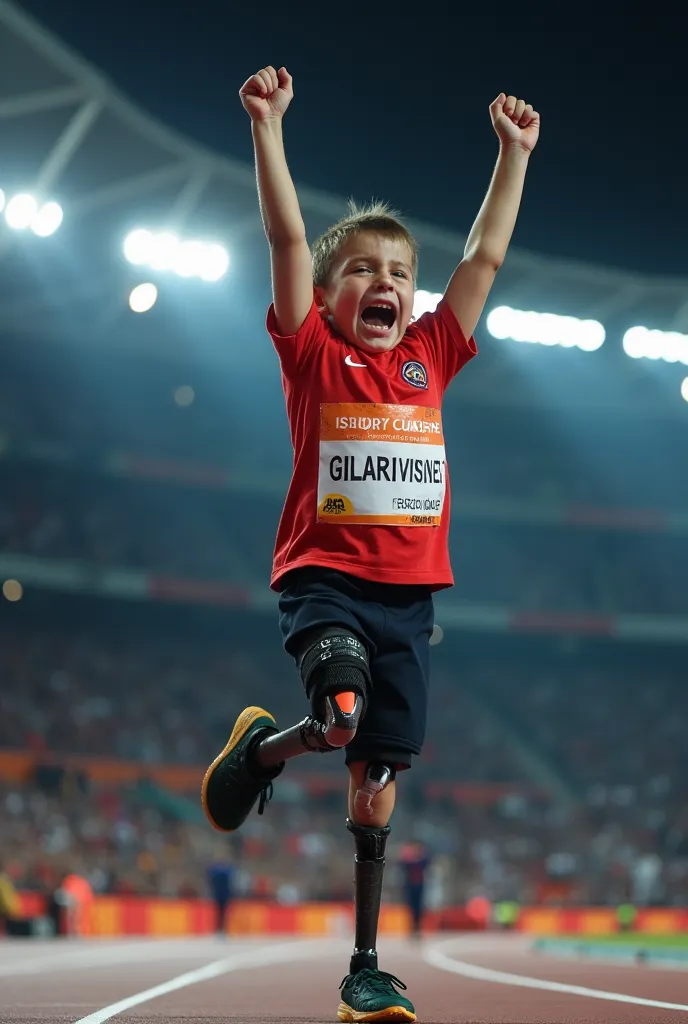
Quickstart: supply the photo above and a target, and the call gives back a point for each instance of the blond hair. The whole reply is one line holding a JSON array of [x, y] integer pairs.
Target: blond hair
[[377, 218]]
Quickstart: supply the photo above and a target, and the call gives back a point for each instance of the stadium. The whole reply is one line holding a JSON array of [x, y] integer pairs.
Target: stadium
[[142, 482]]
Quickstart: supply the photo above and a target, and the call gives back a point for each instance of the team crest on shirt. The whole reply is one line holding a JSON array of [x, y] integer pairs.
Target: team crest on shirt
[[415, 374]]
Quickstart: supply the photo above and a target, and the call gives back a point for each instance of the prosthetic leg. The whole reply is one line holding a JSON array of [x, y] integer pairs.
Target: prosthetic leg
[[368, 994], [336, 677], [369, 867]]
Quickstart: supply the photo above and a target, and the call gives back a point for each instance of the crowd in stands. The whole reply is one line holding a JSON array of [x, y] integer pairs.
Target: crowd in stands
[[210, 535], [592, 747], [528, 851], [616, 828], [151, 696], [611, 458]]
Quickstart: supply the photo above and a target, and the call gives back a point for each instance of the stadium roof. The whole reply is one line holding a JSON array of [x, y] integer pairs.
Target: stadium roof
[[68, 133]]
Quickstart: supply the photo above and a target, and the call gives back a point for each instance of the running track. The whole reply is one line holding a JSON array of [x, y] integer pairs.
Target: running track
[[481, 980]]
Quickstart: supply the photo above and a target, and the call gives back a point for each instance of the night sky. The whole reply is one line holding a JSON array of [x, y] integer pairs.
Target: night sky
[[396, 106]]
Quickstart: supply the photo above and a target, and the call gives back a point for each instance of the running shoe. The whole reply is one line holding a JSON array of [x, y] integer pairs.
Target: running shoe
[[232, 785], [371, 995]]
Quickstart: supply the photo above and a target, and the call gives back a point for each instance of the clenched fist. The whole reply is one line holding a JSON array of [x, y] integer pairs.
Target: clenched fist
[[515, 121], [267, 94]]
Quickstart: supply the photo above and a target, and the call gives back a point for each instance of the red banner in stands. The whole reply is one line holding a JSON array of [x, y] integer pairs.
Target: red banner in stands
[[118, 916]]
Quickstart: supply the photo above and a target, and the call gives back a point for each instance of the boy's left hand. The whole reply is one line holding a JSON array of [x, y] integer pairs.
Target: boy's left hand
[[515, 122]]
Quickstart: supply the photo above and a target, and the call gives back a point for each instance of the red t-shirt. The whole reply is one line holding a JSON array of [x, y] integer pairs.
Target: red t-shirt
[[369, 493]]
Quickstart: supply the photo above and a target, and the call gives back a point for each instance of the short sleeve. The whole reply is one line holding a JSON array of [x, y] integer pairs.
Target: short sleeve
[[448, 347], [294, 350]]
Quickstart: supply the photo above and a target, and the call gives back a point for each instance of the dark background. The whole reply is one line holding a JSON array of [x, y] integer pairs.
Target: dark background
[[392, 101]]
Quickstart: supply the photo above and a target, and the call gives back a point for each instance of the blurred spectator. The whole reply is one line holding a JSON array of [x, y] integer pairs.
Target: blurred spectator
[[206, 535]]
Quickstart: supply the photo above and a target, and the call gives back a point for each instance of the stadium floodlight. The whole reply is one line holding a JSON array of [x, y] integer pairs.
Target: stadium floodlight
[[214, 263], [684, 389], [425, 302], [47, 220], [137, 246], [20, 211], [643, 343], [24, 211], [188, 258], [164, 248], [545, 329], [143, 297], [165, 251]]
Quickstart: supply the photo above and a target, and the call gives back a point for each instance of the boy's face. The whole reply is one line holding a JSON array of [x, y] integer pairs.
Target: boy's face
[[370, 291]]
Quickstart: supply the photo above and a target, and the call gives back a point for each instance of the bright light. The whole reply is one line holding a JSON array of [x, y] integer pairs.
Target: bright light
[[143, 298], [425, 302], [669, 346], [214, 263], [12, 590], [684, 389], [47, 220], [545, 329], [189, 258], [165, 251], [20, 211], [137, 247], [184, 395]]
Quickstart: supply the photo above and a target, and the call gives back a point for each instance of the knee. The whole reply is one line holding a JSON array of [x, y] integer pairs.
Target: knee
[[376, 810]]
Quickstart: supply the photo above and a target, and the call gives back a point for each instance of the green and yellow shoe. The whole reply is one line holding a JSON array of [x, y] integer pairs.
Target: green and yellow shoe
[[371, 995], [230, 789]]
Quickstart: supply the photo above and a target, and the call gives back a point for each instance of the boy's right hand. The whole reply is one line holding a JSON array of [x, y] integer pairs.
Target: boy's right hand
[[267, 94]]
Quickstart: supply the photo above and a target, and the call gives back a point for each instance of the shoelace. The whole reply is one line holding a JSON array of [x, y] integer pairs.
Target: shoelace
[[380, 980], [265, 797]]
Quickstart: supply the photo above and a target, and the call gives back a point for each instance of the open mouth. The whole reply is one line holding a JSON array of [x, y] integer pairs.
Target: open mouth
[[379, 317]]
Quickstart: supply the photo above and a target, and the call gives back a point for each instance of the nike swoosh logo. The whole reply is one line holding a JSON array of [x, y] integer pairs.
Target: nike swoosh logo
[[350, 362]]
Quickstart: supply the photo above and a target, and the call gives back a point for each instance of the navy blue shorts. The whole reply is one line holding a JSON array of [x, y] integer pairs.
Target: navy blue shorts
[[394, 622]]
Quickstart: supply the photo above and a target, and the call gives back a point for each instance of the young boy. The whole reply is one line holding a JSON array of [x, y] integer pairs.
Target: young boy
[[362, 542]]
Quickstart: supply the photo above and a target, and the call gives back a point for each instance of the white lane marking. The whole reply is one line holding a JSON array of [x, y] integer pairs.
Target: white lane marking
[[240, 961], [436, 958]]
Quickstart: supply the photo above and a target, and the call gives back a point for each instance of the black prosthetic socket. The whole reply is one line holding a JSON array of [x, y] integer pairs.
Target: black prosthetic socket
[[369, 867], [337, 663], [336, 678]]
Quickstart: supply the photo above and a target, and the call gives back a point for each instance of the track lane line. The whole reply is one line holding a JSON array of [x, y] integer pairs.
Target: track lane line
[[436, 957]]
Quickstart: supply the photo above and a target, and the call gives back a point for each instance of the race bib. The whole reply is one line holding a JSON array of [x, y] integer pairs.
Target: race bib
[[381, 464]]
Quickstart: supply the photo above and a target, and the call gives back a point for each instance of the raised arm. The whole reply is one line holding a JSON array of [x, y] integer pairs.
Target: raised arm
[[265, 97], [517, 125]]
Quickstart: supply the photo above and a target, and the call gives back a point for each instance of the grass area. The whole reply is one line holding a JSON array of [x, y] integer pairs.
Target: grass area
[[633, 939]]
